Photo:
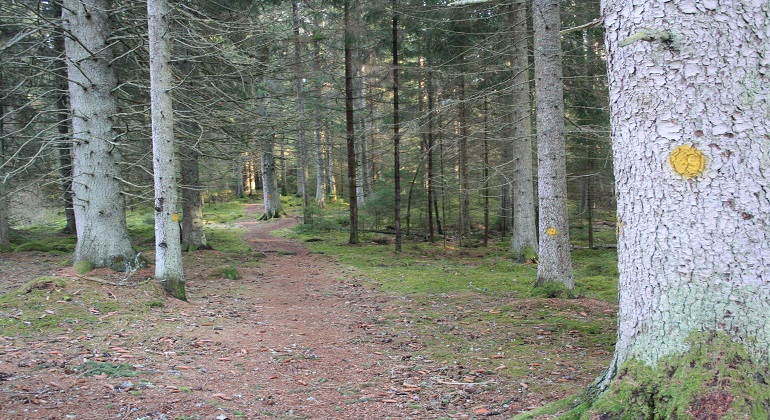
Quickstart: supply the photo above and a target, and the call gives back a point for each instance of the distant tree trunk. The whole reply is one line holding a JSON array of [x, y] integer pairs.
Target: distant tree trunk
[[362, 170], [431, 180], [301, 143], [251, 176], [238, 169], [590, 210], [283, 165], [320, 183], [486, 172], [193, 235], [555, 262], [270, 191], [333, 194], [396, 134], [99, 204], [524, 241], [62, 126], [465, 202], [168, 250], [350, 128], [245, 159], [5, 237]]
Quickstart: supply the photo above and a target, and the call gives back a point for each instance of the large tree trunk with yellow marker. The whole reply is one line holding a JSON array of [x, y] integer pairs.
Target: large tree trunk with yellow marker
[[690, 104], [555, 263], [168, 248]]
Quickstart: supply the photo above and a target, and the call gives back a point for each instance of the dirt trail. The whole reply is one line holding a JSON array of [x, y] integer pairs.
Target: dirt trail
[[294, 338]]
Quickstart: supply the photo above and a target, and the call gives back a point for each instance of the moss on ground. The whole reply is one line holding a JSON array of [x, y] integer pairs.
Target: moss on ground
[[53, 304], [715, 378]]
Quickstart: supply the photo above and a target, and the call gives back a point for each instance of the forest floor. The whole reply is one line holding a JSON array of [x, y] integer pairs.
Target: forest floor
[[297, 336]]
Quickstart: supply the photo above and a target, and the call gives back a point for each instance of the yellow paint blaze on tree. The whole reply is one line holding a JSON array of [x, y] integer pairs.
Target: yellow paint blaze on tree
[[688, 161], [552, 231], [175, 217]]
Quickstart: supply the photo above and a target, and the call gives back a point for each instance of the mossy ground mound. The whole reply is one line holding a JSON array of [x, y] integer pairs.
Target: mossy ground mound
[[715, 379]]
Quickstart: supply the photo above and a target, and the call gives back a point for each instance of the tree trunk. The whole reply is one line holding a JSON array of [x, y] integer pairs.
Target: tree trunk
[[193, 235], [168, 251], [465, 202], [524, 241], [238, 168], [431, 180], [689, 114], [62, 125], [320, 182], [396, 133], [251, 170], [350, 128], [555, 262], [333, 194], [270, 191], [301, 144], [99, 204], [5, 238], [362, 170], [486, 173]]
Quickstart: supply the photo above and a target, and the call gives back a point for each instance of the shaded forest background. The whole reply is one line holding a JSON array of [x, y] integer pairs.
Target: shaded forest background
[[269, 77]]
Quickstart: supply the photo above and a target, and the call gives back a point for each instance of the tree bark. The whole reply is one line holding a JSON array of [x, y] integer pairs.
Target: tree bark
[[238, 169], [359, 105], [98, 201], [555, 262], [301, 144], [333, 194], [465, 202], [396, 133], [270, 192], [320, 183], [251, 177], [486, 172], [431, 175], [168, 250], [5, 237], [62, 125], [524, 240], [350, 128], [689, 114], [193, 235]]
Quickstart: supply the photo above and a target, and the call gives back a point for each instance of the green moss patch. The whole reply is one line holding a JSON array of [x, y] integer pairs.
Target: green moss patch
[[83, 267], [55, 304], [59, 244], [716, 378], [229, 272]]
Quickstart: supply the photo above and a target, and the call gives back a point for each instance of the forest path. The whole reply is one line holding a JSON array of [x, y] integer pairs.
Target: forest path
[[317, 358], [293, 338]]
